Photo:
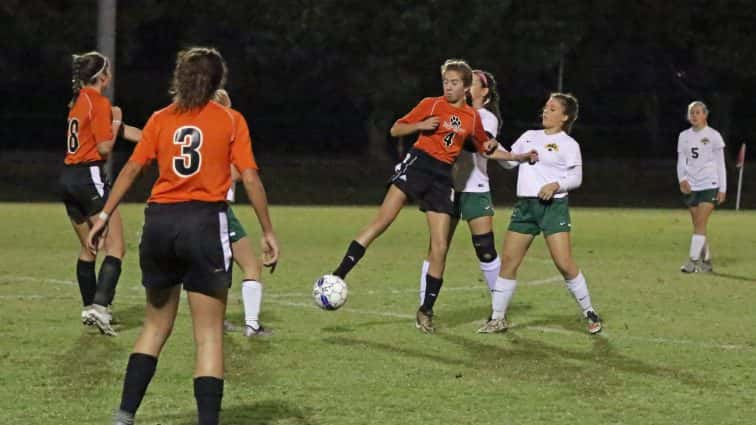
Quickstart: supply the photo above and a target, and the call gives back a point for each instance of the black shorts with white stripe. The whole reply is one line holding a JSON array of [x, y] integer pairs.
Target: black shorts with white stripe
[[84, 189], [426, 181], [186, 243]]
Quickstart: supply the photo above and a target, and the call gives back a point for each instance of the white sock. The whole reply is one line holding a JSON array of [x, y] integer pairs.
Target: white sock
[[491, 271], [697, 243], [423, 273], [252, 299], [579, 289], [706, 252], [501, 294]]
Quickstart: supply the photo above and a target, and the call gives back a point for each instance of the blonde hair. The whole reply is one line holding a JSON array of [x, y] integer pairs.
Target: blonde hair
[[461, 66]]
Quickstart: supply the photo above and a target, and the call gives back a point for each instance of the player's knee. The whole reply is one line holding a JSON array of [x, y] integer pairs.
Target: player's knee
[[439, 248], [485, 247], [567, 268]]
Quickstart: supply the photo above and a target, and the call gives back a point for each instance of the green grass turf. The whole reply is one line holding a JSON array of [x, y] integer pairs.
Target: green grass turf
[[677, 349]]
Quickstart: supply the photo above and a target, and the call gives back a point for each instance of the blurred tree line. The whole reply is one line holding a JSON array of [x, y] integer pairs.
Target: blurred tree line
[[316, 76]]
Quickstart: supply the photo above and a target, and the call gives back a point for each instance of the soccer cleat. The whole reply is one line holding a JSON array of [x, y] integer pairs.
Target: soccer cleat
[[494, 326], [424, 321], [84, 315], [230, 327], [705, 267], [692, 266], [250, 331], [113, 319], [594, 322], [123, 418], [99, 316]]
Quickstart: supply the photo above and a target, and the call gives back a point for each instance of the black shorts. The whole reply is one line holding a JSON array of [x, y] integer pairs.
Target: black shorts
[[186, 242], [84, 189], [426, 181]]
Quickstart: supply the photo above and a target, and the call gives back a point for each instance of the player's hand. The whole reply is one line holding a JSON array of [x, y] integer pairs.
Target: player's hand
[[685, 187], [117, 114], [270, 250], [547, 191], [430, 123], [530, 157], [97, 233], [721, 197]]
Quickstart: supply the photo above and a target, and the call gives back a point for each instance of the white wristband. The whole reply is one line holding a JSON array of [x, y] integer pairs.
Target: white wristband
[[118, 122], [103, 216]]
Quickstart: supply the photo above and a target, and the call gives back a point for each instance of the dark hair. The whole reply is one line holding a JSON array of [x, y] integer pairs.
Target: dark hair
[[460, 66], [85, 69], [491, 102], [571, 108], [199, 72]]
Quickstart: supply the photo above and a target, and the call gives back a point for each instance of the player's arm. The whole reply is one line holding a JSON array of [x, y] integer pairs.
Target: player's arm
[[259, 200], [400, 129], [682, 168], [131, 133], [719, 158], [104, 147], [123, 183], [503, 155]]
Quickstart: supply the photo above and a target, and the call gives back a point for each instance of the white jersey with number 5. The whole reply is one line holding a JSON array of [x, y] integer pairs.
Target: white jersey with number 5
[[700, 159], [559, 160], [478, 180]]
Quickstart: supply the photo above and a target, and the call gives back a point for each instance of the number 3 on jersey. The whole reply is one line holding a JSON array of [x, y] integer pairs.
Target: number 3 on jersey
[[190, 160]]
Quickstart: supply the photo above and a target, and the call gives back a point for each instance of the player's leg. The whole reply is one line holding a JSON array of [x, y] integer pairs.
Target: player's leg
[[481, 229], [208, 311], [160, 314], [85, 268], [110, 269], [438, 229], [700, 232], [513, 250], [392, 204], [561, 252], [424, 269], [252, 287]]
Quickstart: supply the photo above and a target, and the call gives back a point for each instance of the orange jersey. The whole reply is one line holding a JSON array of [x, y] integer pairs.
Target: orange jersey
[[457, 124], [89, 123], [194, 151]]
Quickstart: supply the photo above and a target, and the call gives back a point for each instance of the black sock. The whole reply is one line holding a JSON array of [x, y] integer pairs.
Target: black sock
[[208, 391], [139, 372], [110, 271], [432, 288], [353, 255], [85, 275]]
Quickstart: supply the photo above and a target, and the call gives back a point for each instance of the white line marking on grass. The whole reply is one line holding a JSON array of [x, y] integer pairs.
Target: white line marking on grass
[[276, 299]]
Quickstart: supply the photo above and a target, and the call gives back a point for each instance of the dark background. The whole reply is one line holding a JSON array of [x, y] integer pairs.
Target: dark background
[[320, 83]]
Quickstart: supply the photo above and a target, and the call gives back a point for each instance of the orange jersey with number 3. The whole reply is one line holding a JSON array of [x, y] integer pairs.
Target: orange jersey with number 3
[[456, 125], [89, 123], [194, 151]]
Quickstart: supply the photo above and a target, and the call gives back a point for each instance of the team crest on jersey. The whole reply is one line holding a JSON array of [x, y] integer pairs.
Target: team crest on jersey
[[552, 147], [705, 141], [455, 121]]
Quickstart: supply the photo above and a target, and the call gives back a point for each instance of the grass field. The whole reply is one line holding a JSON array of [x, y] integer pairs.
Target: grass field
[[677, 349]]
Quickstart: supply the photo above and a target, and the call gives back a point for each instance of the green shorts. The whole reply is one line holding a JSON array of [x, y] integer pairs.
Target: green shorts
[[698, 196], [471, 205], [235, 229], [532, 216]]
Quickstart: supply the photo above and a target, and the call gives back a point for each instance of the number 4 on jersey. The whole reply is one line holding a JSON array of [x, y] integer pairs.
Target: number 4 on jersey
[[449, 139], [190, 160]]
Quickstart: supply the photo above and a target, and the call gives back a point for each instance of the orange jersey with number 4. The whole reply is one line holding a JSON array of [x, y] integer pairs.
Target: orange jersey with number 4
[[455, 126], [89, 123], [194, 151]]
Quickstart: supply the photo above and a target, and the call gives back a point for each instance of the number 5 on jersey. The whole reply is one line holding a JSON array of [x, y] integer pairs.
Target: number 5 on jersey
[[190, 160]]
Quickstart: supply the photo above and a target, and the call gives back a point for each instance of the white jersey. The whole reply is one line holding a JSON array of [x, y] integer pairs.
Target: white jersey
[[477, 180], [700, 159], [559, 159]]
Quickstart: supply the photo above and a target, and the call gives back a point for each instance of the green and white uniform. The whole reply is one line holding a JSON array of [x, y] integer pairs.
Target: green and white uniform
[[471, 183], [559, 160], [235, 229], [700, 162]]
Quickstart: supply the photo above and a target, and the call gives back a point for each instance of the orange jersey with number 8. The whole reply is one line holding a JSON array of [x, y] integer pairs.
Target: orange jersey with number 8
[[89, 123], [455, 126], [194, 151]]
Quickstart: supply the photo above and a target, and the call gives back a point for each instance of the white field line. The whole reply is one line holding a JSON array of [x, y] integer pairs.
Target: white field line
[[279, 300]]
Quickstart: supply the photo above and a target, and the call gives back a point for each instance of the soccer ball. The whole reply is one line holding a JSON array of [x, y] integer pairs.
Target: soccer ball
[[329, 292]]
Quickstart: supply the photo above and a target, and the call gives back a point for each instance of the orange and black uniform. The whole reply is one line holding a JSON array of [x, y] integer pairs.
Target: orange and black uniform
[[83, 184], [425, 173], [185, 237]]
